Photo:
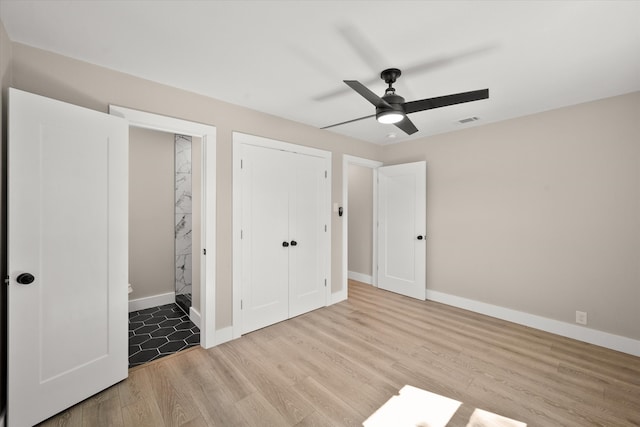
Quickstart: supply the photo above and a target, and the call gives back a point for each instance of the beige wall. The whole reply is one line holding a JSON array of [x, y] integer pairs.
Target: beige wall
[[151, 212], [55, 76], [539, 214], [360, 216]]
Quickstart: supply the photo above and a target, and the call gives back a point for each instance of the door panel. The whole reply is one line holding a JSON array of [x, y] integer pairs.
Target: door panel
[[85, 203], [265, 212], [401, 232], [306, 285], [67, 226]]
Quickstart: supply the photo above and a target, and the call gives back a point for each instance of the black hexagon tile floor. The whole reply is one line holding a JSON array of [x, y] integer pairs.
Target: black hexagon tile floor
[[159, 331]]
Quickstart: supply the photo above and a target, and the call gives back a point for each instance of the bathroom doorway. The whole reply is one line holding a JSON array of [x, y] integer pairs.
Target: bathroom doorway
[[164, 234], [203, 235]]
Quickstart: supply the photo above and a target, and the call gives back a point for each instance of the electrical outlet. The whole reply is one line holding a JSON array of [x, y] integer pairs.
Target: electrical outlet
[[581, 317]]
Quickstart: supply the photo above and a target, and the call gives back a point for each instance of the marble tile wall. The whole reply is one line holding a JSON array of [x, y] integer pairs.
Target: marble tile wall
[[183, 211]]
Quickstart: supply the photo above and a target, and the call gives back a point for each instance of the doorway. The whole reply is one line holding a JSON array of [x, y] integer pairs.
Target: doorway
[[203, 312], [164, 234], [365, 165]]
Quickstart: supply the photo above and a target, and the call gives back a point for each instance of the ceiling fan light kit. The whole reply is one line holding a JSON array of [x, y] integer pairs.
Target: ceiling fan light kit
[[389, 117], [391, 108]]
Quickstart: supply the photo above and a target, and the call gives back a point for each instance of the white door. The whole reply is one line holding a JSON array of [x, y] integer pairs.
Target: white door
[[307, 230], [265, 237], [402, 225], [67, 232], [284, 235]]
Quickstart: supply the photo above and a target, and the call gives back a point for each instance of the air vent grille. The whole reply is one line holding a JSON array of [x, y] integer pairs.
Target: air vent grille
[[468, 120]]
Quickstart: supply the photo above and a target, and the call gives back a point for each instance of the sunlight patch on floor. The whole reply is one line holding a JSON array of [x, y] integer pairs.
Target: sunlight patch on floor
[[414, 407], [481, 418]]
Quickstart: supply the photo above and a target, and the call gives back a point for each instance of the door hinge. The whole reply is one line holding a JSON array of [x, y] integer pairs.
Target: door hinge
[[241, 235], [241, 164], [204, 252], [325, 174], [7, 280], [325, 228], [325, 283], [240, 304]]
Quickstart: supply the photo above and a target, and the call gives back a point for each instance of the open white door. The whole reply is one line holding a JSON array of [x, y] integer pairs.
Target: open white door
[[67, 255], [402, 195]]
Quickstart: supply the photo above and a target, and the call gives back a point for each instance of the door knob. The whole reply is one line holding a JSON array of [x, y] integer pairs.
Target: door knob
[[285, 244], [25, 279], [420, 237], [294, 243]]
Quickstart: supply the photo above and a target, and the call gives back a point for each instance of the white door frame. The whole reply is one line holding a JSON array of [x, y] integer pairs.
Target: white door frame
[[208, 230], [238, 140], [348, 160]]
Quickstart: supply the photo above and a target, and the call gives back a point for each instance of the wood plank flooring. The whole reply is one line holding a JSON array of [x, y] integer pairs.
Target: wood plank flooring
[[337, 365]]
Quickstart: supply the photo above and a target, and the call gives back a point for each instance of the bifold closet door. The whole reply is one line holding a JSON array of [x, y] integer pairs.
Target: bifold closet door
[[265, 230]]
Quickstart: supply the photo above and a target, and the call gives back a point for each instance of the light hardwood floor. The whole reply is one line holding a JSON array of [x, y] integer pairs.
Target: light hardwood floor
[[337, 365]]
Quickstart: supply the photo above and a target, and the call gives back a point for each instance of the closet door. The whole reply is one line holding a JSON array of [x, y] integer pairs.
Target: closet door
[[265, 222], [307, 234]]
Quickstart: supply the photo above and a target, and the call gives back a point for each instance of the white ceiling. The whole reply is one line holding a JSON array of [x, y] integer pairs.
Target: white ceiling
[[288, 58]]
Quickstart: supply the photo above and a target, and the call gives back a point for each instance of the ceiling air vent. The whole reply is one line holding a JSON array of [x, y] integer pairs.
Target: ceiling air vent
[[468, 120]]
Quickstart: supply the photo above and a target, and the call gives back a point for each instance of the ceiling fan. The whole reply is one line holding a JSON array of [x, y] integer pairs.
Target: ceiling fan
[[391, 108]]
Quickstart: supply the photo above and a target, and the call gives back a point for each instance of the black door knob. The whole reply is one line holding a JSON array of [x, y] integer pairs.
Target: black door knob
[[294, 243], [419, 237], [285, 244], [25, 279]]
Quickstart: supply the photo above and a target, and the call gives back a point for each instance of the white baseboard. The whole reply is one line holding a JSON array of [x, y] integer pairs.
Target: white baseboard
[[194, 316], [569, 330], [339, 296], [364, 278], [223, 335], [152, 301]]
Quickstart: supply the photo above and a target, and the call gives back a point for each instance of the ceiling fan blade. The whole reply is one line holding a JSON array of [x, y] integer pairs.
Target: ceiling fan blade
[[363, 47], [445, 60], [349, 121], [407, 126], [371, 57], [367, 94], [443, 101]]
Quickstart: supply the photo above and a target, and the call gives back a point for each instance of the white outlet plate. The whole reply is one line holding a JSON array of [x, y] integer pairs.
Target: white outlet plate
[[581, 317]]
